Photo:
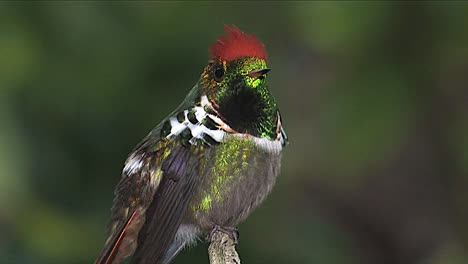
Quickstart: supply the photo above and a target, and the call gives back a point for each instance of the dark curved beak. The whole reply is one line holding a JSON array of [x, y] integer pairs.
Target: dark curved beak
[[258, 73]]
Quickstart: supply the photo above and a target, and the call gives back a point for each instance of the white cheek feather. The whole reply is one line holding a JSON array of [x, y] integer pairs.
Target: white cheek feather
[[204, 101], [176, 127], [271, 146], [268, 145], [197, 130], [283, 137], [200, 113], [133, 165], [217, 135]]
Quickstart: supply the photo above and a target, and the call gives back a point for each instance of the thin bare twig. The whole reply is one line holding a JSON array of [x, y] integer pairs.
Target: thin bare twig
[[222, 249]]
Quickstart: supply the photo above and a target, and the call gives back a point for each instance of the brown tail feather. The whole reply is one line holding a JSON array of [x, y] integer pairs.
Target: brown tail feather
[[111, 249]]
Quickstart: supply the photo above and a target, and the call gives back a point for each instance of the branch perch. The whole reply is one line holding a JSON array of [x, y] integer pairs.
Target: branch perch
[[222, 249]]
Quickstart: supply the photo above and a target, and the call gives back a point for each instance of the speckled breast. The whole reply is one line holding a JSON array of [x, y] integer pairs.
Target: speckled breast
[[237, 176]]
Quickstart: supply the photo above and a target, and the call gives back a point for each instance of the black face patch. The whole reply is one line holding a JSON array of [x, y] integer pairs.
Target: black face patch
[[166, 129], [209, 140], [209, 123], [181, 117], [243, 110], [185, 137], [191, 116]]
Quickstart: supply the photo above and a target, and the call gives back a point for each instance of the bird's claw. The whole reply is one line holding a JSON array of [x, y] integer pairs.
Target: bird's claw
[[231, 231]]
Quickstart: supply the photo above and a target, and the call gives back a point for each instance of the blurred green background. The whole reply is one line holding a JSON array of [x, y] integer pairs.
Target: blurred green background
[[374, 98]]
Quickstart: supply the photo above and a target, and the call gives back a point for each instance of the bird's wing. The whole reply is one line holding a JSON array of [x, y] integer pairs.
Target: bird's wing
[[140, 178], [153, 170], [164, 215], [169, 176]]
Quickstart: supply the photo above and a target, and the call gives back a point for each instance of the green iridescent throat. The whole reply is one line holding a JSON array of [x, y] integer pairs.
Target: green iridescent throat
[[244, 102]]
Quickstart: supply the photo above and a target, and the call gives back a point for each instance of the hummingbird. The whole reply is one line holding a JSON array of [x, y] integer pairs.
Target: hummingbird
[[207, 165]]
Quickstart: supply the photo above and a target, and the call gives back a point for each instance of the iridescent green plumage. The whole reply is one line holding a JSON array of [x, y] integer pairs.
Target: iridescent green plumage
[[230, 160]]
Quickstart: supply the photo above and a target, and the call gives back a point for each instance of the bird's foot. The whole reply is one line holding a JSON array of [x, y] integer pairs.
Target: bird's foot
[[231, 231]]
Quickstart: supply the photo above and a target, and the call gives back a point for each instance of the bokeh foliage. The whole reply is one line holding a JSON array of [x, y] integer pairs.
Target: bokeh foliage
[[374, 98]]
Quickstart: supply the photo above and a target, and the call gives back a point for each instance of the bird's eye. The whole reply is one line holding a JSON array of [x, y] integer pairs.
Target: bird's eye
[[219, 73]]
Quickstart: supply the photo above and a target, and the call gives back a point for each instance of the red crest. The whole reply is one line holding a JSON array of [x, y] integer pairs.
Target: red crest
[[236, 44]]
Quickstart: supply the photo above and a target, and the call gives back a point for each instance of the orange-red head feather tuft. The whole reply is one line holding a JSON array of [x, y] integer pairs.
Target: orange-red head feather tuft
[[235, 44]]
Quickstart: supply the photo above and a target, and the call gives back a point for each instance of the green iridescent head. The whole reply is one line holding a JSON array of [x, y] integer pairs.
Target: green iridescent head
[[235, 82]]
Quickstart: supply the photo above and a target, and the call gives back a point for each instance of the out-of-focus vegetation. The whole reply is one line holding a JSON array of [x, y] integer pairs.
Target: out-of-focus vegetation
[[374, 98]]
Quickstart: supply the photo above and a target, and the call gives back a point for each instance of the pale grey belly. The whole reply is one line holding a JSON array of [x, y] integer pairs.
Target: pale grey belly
[[226, 198]]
